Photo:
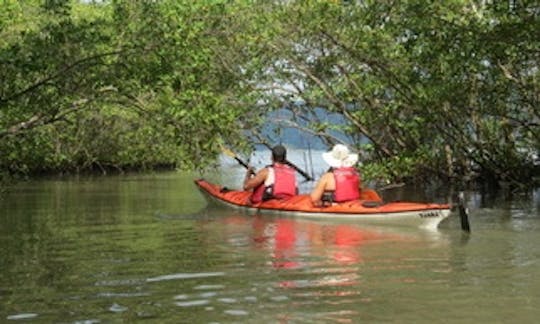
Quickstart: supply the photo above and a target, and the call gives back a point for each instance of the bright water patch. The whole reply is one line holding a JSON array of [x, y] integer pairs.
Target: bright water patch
[[236, 312], [23, 316], [192, 303], [116, 308], [209, 287]]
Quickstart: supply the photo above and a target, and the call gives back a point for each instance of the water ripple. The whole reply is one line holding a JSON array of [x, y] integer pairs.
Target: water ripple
[[185, 276], [191, 303], [115, 308], [22, 316], [115, 295], [119, 282], [209, 287], [236, 312]]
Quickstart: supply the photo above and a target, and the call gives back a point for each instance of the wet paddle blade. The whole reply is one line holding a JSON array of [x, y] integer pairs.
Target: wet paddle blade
[[371, 195], [463, 213]]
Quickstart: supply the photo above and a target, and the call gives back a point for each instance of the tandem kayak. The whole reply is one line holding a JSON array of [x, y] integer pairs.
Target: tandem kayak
[[369, 209]]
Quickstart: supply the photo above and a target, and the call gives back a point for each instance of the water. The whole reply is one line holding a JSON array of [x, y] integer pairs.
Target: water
[[145, 248]]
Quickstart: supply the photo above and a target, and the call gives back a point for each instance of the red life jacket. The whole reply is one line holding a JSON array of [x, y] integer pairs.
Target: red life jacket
[[347, 184], [284, 181], [284, 185]]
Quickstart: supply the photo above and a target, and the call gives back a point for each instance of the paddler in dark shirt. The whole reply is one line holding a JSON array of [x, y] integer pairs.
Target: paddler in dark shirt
[[276, 181]]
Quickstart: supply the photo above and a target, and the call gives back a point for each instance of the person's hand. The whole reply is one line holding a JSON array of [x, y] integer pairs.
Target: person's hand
[[249, 173], [317, 203]]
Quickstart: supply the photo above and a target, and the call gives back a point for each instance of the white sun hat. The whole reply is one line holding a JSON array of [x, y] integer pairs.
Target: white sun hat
[[340, 156]]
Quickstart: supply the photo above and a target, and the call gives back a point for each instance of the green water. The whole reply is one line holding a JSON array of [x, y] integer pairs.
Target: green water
[[143, 248]]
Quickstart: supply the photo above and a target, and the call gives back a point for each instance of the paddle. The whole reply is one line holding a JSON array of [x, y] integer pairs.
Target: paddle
[[370, 195], [234, 156], [302, 172], [463, 214]]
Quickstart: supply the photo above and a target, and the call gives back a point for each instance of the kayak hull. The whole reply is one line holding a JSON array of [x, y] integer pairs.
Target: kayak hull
[[366, 211]]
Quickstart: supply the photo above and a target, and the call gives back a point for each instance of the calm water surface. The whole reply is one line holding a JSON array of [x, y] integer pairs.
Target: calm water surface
[[146, 248]]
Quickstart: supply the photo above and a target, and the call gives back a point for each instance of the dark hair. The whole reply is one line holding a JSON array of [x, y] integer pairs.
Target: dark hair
[[279, 153]]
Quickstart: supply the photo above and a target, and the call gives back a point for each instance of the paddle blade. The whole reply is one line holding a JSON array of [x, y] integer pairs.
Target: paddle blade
[[463, 213], [230, 153], [369, 194]]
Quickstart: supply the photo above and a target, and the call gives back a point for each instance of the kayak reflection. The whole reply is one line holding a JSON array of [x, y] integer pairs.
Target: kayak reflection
[[309, 254], [293, 243]]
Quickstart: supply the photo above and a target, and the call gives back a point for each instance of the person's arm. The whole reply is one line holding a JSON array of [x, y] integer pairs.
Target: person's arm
[[320, 187], [253, 182]]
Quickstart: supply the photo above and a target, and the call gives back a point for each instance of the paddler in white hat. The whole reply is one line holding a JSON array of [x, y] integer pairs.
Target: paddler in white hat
[[341, 182]]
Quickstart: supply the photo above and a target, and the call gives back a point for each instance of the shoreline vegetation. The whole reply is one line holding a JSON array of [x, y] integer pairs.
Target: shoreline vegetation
[[425, 92]]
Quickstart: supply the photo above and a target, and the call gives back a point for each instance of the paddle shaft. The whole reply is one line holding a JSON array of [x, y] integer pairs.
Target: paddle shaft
[[297, 169], [244, 164]]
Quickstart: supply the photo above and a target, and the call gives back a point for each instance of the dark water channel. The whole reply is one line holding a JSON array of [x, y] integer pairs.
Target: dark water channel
[[143, 248]]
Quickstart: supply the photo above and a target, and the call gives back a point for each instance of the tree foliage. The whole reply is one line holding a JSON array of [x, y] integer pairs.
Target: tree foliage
[[446, 89], [113, 85], [426, 88]]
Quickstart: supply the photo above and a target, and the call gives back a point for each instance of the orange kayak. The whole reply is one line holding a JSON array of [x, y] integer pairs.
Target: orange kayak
[[369, 208]]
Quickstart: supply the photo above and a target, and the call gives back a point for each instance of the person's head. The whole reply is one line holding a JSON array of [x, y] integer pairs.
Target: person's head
[[279, 153], [340, 157]]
